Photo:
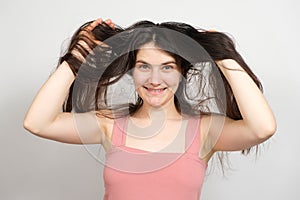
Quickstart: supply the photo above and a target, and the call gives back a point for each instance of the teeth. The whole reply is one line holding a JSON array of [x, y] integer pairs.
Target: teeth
[[156, 90]]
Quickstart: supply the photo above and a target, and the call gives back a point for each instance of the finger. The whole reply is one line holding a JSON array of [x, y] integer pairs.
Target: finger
[[110, 23], [94, 24], [212, 30]]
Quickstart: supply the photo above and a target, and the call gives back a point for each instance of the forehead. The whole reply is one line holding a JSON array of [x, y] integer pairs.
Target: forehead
[[153, 54]]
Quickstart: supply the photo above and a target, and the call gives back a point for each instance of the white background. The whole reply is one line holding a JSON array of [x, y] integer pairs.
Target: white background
[[267, 35]]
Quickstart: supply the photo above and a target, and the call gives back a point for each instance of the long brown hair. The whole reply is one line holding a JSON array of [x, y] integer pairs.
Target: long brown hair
[[110, 62]]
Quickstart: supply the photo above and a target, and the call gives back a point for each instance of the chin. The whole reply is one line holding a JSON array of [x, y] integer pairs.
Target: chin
[[157, 104]]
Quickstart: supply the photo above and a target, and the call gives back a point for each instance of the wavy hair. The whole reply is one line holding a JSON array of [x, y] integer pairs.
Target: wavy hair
[[109, 62]]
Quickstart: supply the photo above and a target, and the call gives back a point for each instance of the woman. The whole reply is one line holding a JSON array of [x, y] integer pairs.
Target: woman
[[194, 96]]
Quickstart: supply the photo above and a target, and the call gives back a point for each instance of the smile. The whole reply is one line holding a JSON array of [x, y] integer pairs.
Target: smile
[[154, 91]]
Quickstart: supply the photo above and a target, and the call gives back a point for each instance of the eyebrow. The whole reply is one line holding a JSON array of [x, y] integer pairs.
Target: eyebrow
[[165, 63]]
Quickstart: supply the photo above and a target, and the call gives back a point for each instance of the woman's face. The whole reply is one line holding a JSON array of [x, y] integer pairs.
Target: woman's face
[[156, 76]]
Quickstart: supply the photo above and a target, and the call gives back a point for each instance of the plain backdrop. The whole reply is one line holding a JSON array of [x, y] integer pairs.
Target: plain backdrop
[[266, 33]]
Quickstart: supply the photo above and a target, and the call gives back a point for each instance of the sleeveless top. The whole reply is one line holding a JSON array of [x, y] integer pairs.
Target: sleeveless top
[[129, 172]]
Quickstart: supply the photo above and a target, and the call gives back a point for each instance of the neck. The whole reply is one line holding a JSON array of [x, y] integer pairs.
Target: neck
[[168, 111]]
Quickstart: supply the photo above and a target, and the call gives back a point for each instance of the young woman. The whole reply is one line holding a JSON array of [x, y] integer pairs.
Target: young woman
[[193, 96]]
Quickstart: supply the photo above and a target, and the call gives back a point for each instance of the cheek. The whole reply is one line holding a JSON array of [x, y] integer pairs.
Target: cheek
[[173, 79], [139, 79]]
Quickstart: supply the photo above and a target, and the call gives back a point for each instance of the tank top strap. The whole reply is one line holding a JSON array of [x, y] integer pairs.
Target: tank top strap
[[193, 135], [119, 131]]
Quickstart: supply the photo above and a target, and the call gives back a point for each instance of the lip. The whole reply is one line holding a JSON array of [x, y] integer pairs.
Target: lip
[[155, 91]]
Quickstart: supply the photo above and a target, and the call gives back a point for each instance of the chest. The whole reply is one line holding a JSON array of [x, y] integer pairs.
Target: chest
[[168, 136], [186, 171]]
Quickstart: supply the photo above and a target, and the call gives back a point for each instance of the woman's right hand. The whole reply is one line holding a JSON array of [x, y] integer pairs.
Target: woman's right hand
[[82, 44], [45, 117]]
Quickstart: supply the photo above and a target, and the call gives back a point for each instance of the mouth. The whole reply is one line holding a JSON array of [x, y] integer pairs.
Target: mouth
[[155, 91]]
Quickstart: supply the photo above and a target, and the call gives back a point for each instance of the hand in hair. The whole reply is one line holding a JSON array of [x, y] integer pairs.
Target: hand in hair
[[83, 42]]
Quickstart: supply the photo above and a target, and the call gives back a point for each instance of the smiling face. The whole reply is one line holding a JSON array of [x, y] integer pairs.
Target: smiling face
[[156, 76]]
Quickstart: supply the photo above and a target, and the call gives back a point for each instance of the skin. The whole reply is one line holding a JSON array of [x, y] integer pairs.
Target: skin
[[156, 76], [257, 125]]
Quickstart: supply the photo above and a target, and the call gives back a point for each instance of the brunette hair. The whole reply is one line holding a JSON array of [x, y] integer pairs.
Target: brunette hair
[[116, 57]]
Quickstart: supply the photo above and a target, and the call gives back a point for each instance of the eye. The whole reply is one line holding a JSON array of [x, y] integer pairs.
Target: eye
[[143, 67], [167, 67]]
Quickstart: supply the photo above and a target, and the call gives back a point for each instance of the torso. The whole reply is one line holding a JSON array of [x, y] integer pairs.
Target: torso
[[137, 169], [158, 141]]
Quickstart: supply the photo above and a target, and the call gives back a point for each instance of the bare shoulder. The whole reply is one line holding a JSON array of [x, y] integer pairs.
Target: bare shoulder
[[204, 125], [210, 127], [105, 121]]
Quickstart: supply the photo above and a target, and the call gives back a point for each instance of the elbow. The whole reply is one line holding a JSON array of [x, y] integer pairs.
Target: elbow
[[29, 126], [267, 131]]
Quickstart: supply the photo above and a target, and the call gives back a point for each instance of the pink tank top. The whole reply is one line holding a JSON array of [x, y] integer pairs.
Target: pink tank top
[[177, 176]]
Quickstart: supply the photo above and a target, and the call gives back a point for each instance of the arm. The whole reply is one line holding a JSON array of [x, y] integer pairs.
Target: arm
[[258, 123], [45, 118]]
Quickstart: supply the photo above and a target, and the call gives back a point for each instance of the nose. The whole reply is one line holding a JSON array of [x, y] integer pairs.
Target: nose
[[155, 78]]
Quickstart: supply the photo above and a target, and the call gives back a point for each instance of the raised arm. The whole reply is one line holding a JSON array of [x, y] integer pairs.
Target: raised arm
[[249, 119], [258, 121], [45, 117]]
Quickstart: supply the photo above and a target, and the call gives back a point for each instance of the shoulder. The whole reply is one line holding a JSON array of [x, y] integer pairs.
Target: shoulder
[[205, 152], [205, 121], [211, 127], [213, 124], [105, 121]]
